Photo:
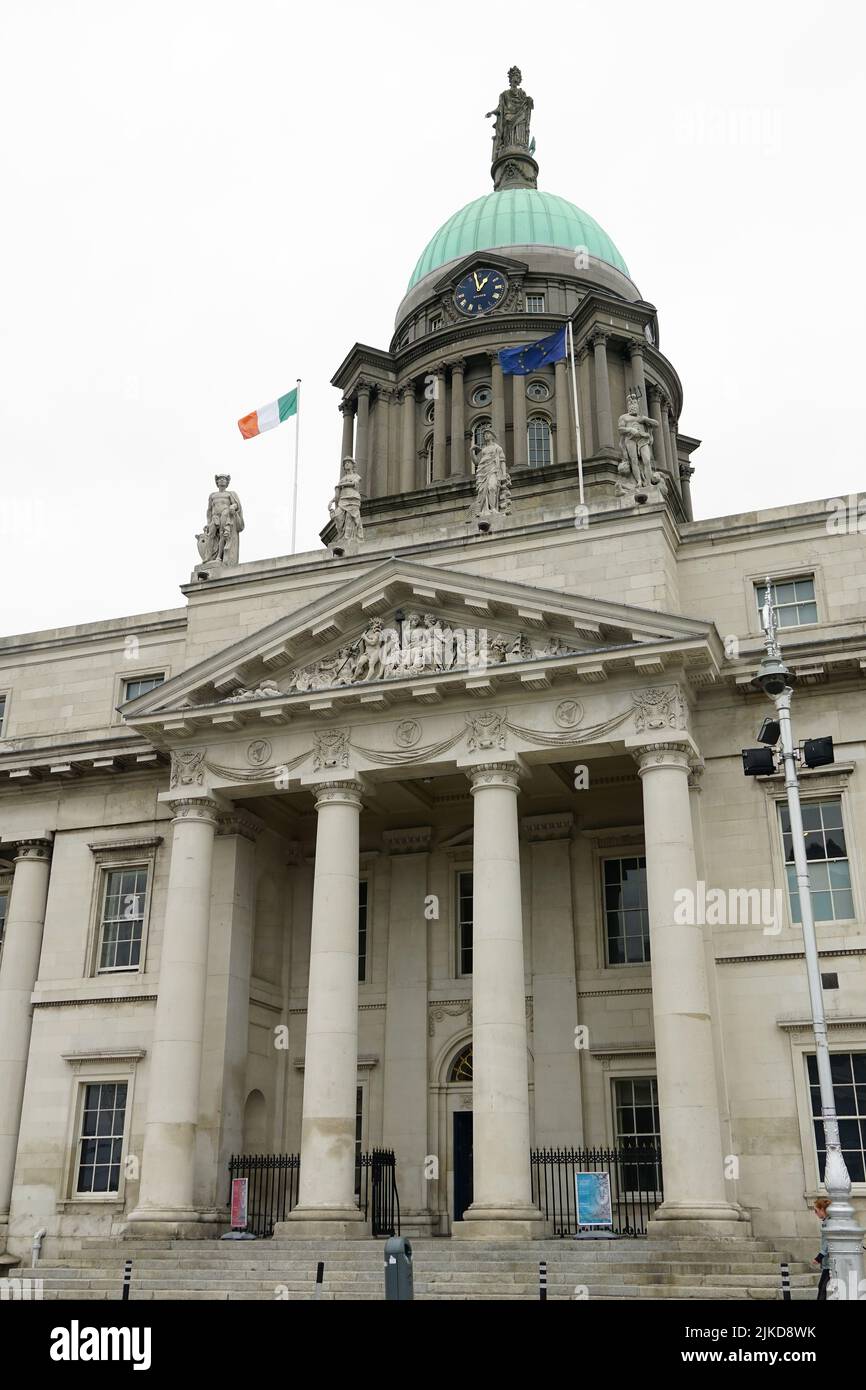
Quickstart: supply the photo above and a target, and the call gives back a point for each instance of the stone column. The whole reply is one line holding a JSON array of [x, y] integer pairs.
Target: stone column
[[498, 388], [174, 1075], [635, 353], [520, 447], [408, 452], [686, 471], [458, 418], [362, 435], [382, 442], [405, 1112], [225, 1046], [692, 1158], [347, 410], [326, 1194], [587, 436], [440, 408], [502, 1206], [19, 968], [660, 447], [674, 452], [604, 421], [558, 1117], [565, 446]]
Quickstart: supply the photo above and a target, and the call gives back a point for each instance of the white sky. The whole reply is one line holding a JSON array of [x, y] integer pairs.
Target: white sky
[[203, 200]]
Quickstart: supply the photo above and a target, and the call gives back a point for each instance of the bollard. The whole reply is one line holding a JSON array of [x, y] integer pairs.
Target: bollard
[[127, 1280], [320, 1276], [786, 1281], [399, 1285], [542, 1281]]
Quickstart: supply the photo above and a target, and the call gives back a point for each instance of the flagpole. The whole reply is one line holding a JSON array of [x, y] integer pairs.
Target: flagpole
[[297, 457], [576, 413]]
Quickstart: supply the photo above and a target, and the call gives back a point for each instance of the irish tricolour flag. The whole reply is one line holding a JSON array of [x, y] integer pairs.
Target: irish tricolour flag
[[267, 417]]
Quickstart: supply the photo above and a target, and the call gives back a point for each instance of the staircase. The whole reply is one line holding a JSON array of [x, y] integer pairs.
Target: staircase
[[443, 1269]]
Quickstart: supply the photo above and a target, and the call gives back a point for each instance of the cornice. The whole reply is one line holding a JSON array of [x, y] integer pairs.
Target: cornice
[[829, 953], [84, 1001]]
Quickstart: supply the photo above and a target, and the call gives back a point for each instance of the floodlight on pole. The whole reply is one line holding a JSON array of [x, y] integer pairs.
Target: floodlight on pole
[[844, 1236]]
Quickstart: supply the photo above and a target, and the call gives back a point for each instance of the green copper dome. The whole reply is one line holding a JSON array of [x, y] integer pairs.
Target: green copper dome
[[516, 217]]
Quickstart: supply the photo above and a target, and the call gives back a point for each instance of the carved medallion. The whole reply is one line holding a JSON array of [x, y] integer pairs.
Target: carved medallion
[[568, 714], [485, 731], [658, 707], [407, 733], [259, 752], [187, 767]]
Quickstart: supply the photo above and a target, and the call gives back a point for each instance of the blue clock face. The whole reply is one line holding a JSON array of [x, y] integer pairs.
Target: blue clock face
[[480, 291]]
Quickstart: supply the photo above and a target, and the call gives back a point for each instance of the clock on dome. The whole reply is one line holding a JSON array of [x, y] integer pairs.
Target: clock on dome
[[480, 291]]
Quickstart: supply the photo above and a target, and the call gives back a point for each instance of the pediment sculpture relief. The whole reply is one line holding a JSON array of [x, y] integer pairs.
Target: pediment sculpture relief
[[422, 644]]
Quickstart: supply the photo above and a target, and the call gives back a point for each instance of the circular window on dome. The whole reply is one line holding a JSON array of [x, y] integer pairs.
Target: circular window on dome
[[538, 391], [482, 395]]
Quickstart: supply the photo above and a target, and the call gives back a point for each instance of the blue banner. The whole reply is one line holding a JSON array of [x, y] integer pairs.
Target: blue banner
[[523, 360]]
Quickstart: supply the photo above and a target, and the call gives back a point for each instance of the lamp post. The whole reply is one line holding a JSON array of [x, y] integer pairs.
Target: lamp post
[[844, 1236]]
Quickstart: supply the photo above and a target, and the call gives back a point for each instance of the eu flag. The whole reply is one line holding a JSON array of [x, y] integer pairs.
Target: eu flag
[[521, 361]]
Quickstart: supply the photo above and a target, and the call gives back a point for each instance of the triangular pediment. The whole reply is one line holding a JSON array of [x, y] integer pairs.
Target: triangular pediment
[[403, 626]]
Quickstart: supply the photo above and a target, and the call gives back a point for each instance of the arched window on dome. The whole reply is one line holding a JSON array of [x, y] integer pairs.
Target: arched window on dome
[[539, 442], [428, 459], [483, 423]]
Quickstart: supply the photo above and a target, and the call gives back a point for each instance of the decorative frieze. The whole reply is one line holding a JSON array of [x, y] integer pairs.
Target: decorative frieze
[[330, 749], [413, 841], [187, 767], [557, 827], [658, 707]]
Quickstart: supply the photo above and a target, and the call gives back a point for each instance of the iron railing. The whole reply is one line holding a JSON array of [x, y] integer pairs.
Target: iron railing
[[635, 1185], [273, 1189]]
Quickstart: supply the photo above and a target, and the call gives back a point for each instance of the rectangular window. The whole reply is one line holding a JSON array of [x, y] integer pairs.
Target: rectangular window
[[827, 855], [626, 910], [122, 918], [793, 599], [100, 1141], [636, 1126], [2, 713], [535, 304], [464, 924], [435, 322], [362, 929], [133, 688], [848, 1070]]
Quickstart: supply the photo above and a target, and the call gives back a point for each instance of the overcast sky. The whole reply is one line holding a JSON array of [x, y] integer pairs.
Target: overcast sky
[[205, 199]]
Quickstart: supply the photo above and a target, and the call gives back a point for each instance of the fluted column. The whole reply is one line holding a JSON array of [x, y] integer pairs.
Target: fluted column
[[19, 968], [694, 1182], [498, 388], [347, 410], [565, 445], [326, 1193], [440, 407], [458, 418], [660, 448], [603, 416], [174, 1074], [518, 416], [587, 434], [635, 352], [362, 433], [408, 451], [382, 442], [502, 1205]]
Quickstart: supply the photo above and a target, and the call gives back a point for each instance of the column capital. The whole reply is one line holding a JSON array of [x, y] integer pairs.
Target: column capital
[[697, 768], [686, 470], [599, 338], [345, 791], [655, 393], [493, 358], [675, 754], [386, 394], [636, 347], [363, 386], [407, 389], [499, 774], [413, 841], [196, 808], [346, 407], [582, 353], [33, 849], [439, 369], [458, 365]]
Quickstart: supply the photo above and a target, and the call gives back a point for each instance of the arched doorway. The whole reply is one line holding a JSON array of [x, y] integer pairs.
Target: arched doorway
[[255, 1124]]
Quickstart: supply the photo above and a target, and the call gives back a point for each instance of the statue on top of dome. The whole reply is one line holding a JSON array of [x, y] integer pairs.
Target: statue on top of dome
[[512, 116]]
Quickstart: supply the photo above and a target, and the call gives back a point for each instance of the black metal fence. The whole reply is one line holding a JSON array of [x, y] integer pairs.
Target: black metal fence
[[635, 1185], [273, 1189]]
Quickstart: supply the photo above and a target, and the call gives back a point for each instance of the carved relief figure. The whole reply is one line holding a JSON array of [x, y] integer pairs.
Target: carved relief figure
[[512, 116], [218, 542]]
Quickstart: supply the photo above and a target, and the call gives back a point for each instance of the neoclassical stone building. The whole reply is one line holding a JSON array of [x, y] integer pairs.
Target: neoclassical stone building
[[386, 843]]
